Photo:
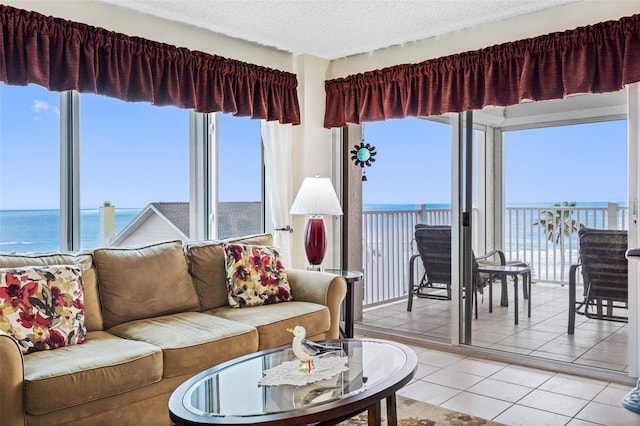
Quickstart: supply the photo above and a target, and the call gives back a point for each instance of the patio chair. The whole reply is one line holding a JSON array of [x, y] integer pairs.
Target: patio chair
[[604, 270], [434, 249]]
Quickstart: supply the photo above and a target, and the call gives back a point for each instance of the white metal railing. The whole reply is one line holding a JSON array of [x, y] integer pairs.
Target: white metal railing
[[552, 250], [387, 237], [388, 242]]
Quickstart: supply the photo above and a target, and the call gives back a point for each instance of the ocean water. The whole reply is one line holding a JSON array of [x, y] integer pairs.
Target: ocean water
[[38, 230]]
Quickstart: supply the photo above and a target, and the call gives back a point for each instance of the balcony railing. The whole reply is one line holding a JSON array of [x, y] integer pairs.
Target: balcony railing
[[388, 242], [387, 237], [525, 237]]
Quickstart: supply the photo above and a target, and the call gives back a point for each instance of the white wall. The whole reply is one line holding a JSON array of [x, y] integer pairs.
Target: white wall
[[311, 145]]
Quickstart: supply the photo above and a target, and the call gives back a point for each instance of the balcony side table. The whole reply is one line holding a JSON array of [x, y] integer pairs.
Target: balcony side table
[[505, 271], [350, 277]]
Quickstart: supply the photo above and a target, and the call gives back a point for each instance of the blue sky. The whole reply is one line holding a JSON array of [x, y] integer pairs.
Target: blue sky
[[584, 163], [134, 153], [130, 153]]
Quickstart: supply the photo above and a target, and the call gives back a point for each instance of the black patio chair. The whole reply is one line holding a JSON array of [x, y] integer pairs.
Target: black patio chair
[[604, 270], [434, 249]]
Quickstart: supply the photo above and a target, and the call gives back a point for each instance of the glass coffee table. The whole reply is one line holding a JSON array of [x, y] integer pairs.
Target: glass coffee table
[[229, 394]]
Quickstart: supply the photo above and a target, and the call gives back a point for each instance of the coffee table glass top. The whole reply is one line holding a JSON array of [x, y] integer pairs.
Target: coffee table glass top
[[232, 389]]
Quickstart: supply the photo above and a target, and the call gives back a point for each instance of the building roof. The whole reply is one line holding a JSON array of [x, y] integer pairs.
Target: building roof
[[236, 218], [239, 218], [176, 213]]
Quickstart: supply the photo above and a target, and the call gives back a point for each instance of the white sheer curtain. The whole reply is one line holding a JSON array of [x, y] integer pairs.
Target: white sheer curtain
[[277, 140]]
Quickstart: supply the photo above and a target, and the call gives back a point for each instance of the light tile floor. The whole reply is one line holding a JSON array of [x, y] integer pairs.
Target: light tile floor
[[595, 343], [515, 395]]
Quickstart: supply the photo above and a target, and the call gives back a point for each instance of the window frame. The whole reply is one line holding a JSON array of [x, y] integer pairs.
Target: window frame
[[203, 174], [69, 171]]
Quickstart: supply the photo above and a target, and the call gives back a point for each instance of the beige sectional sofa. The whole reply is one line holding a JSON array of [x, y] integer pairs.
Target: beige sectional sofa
[[155, 316]]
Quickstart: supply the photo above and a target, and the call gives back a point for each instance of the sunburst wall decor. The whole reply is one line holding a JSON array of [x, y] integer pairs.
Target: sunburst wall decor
[[363, 156]]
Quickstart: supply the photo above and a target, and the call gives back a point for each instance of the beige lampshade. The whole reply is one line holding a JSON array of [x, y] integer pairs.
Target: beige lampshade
[[316, 197]]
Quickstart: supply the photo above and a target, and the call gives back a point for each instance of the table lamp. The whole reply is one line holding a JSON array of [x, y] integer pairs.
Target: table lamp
[[315, 198]]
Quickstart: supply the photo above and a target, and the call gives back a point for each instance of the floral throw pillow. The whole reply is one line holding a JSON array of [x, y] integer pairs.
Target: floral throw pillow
[[255, 275], [42, 307]]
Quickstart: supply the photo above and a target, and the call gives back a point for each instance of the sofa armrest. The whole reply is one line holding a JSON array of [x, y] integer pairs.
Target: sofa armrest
[[11, 382], [322, 288]]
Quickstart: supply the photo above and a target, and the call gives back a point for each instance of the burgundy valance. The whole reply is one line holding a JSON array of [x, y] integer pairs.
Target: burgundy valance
[[592, 59], [64, 55]]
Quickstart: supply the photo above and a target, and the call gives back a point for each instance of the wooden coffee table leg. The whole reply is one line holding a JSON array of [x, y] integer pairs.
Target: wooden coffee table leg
[[373, 416], [392, 415]]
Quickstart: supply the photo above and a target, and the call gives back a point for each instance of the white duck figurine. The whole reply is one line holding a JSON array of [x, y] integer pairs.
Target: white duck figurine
[[306, 350]]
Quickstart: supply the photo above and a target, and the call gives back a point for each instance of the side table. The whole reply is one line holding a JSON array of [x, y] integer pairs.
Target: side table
[[513, 271], [350, 277]]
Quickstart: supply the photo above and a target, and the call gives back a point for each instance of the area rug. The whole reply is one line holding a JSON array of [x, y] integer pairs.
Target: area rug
[[417, 413]]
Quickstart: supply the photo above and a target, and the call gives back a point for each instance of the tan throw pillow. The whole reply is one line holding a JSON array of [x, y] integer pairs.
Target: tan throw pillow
[[255, 275], [143, 282], [42, 307]]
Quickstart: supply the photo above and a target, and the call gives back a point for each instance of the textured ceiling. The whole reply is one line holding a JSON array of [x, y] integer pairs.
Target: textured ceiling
[[333, 29]]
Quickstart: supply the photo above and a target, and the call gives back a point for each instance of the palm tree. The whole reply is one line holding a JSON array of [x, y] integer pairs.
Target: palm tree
[[558, 223]]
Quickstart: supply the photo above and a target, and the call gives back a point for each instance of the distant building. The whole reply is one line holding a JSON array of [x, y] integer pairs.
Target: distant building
[[170, 221]]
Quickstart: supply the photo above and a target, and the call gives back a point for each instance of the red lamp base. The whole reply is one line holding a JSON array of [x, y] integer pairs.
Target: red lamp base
[[315, 242]]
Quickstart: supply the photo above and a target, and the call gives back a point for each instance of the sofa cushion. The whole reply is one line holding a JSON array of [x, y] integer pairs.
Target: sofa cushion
[[144, 282], [272, 321], [42, 306], [192, 341], [104, 365], [207, 267], [93, 314], [255, 275]]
